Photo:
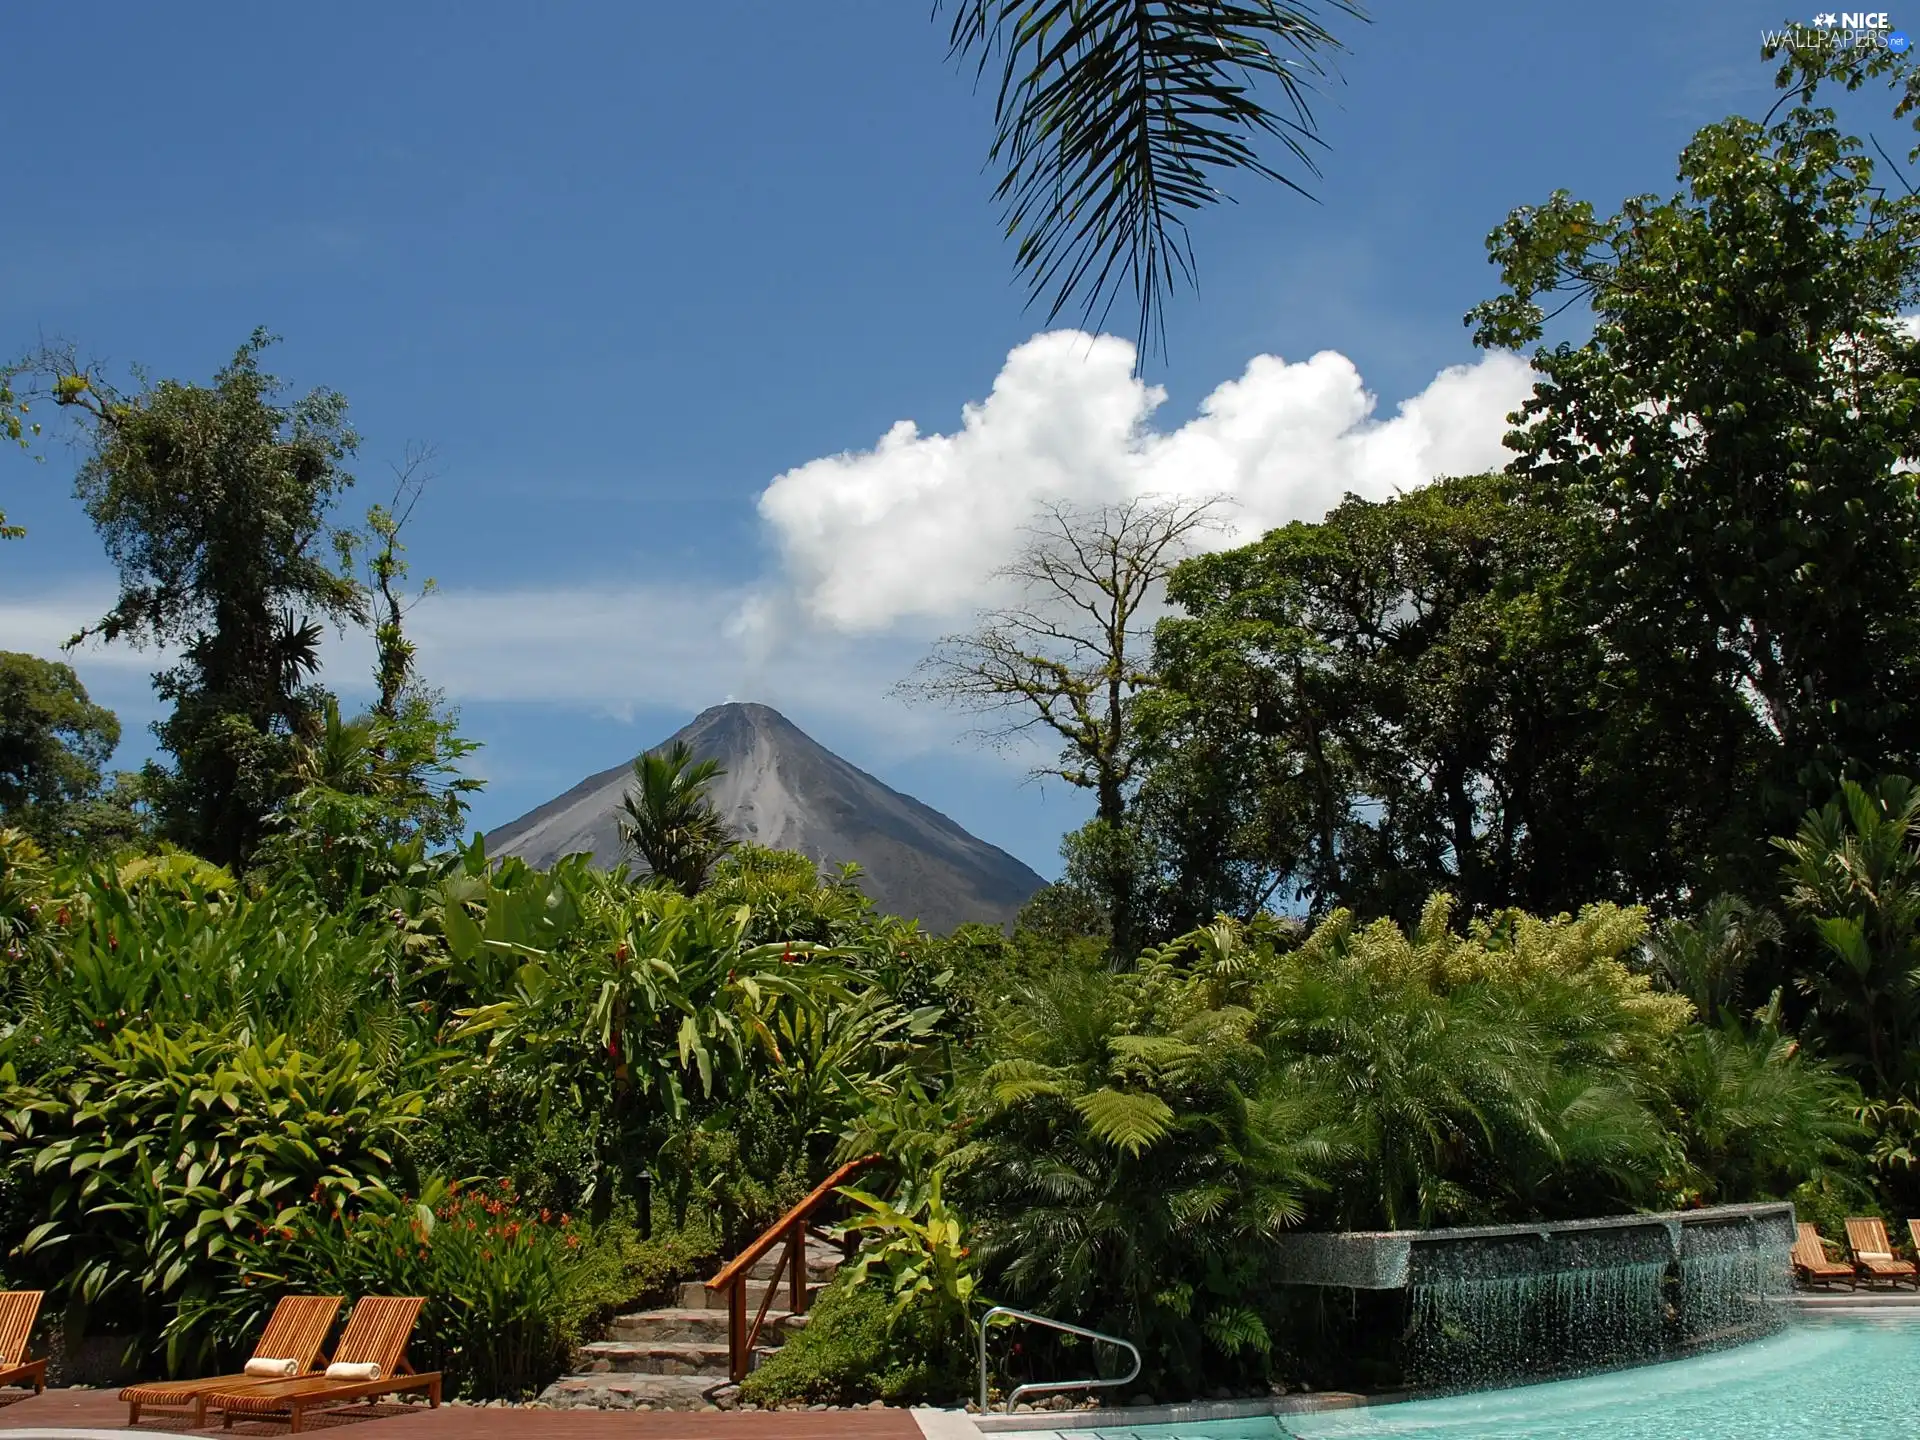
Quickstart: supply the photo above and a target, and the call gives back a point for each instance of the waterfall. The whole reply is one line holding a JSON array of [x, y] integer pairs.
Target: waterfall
[[1467, 1328], [1728, 1285], [1487, 1304]]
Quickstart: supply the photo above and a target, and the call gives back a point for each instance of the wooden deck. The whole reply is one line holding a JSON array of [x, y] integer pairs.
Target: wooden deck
[[98, 1410]]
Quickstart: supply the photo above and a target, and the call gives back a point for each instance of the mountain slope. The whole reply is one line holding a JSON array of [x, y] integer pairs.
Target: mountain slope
[[783, 790]]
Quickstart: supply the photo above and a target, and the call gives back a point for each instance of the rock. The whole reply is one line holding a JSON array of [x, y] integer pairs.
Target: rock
[[876, 1404], [1141, 1399]]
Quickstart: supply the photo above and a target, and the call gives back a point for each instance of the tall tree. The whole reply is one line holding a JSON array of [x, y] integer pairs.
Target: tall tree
[[213, 503], [53, 743], [668, 821], [1071, 657], [1397, 700], [1117, 119], [1737, 435]]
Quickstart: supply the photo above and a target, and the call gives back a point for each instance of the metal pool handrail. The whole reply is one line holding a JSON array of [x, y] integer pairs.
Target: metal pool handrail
[[1037, 1387]]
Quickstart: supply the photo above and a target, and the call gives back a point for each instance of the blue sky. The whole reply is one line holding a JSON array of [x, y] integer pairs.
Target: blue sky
[[638, 273]]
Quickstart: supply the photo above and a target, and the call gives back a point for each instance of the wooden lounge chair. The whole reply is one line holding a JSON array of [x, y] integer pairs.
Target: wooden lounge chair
[[18, 1310], [1873, 1255], [376, 1334], [295, 1331], [1811, 1265]]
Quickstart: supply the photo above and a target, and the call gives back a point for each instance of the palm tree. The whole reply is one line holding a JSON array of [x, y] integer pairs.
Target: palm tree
[[1115, 119], [1854, 872], [668, 820], [1707, 959]]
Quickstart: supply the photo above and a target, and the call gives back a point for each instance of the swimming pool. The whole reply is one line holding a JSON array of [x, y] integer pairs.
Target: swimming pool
[[1838, 1377]]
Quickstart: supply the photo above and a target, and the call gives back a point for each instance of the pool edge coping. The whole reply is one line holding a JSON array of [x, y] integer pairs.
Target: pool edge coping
[[1188, 1412]]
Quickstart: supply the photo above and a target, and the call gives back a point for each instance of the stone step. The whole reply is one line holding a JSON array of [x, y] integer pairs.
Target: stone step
[[694, 1294], [708, 1326], [613, 1391], [657, 1357], [822, 1261]]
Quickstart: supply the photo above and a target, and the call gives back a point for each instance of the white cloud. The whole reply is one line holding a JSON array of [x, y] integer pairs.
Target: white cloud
[[877, 550], [913, 528], [42, 622]]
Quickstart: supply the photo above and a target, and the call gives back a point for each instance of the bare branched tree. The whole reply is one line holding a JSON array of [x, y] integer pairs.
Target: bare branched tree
[[1071, 655]]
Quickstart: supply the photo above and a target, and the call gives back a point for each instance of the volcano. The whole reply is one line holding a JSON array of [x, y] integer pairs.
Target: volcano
[[784, 790]]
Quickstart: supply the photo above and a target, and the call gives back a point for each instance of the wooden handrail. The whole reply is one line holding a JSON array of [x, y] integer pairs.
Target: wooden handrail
[[792, 1228], [777, 1231]]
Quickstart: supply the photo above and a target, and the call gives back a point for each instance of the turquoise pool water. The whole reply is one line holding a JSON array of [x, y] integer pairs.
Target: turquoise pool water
[[1831, 1378]]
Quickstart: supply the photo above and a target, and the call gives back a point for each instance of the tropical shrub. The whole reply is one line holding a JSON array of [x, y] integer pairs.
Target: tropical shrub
[[857, 1346], [500, 1123], [158, 1155], [1124, 1166], [169, 942], [1853, 874], [912, 1247]]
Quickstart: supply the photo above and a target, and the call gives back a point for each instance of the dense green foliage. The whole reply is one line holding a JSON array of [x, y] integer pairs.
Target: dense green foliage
[[194, 1063]]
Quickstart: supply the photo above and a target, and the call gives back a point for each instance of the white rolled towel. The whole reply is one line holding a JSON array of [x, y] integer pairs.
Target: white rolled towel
[[262, 1369], [346, 1370]]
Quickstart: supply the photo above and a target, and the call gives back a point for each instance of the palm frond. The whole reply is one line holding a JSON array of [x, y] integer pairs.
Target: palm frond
[[1115, 118]]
